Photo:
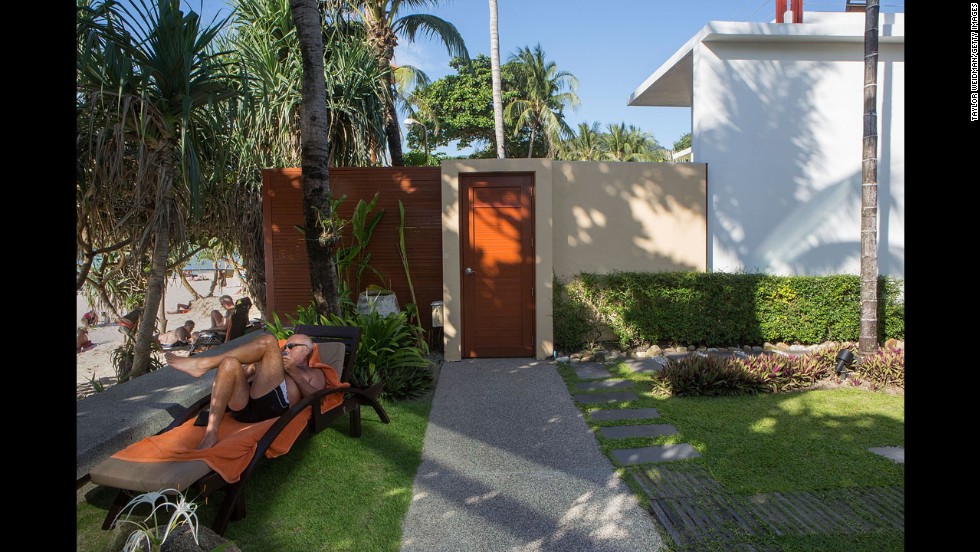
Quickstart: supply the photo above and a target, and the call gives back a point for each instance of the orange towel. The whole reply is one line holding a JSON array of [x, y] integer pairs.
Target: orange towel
[[237, 441]]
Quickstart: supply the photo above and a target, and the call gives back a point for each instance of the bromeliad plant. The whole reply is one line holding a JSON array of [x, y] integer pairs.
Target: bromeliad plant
[[147, 532], [712, 376]]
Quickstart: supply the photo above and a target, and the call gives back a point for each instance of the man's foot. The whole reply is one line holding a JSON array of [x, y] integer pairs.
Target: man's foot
[[188, 365]]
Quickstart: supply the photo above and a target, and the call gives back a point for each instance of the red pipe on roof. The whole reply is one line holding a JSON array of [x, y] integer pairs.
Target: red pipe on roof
[[795, 5]]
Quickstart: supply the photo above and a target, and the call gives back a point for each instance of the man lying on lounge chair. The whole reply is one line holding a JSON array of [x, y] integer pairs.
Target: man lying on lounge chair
[[256, 380]]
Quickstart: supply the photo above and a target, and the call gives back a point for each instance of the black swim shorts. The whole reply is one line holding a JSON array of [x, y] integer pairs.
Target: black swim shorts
[[270, 405]]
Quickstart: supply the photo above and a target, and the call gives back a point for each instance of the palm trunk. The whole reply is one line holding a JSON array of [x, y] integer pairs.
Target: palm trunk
[[530, 145], [315, 155], [391, 127], [498, 102], [868, 341]]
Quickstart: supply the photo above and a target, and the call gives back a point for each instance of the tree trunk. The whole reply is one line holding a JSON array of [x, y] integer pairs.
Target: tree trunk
[[391, 127], [314, 156], [155, 283], [868, 342], [498, 102], [530, 145], [187, 285]]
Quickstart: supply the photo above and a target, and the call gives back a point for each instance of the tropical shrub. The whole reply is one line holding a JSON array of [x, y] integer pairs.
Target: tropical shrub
[[387, 353], [705, 375], [885, 367], [714, 375]]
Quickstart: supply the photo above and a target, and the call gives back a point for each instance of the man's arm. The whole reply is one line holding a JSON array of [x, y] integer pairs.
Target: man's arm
[[309, 380]]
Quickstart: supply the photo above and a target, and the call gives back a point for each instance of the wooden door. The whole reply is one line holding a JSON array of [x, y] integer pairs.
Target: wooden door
[[497, 264]]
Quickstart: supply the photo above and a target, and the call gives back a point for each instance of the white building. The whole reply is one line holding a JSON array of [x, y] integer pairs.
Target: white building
[[777, 115]]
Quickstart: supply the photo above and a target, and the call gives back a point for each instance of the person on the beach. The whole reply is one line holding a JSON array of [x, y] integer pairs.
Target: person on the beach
[[183, 335], [182, 308], [220, 321], [257, 380], [90, 318], [82, 342]]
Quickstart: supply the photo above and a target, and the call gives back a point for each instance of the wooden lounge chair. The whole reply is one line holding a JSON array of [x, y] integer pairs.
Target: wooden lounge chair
[[337, 346]]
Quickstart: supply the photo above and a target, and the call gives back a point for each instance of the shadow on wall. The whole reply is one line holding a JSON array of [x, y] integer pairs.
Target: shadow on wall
[[786, 193], [611, 217]]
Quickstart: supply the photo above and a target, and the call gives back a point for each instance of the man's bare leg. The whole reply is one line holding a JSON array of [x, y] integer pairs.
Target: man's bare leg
[[230, 388], [254, 351]]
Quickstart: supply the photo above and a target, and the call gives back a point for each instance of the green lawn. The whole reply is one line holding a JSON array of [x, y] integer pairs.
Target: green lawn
[[333, 492], [330, 492], [813, 441]]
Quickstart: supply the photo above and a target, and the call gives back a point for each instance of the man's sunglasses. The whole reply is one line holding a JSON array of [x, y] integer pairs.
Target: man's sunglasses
[[291, 345]]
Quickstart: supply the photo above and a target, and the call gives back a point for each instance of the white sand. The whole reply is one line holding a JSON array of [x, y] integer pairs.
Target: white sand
[[97, 362]]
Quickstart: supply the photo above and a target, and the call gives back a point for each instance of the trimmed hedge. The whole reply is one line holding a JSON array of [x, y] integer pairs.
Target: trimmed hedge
[[720, 309]]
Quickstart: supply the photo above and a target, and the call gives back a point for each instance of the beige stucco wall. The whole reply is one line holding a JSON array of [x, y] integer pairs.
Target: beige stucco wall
[[638, 217], [588, 217]]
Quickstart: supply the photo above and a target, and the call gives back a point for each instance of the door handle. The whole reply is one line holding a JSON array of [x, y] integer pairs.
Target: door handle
[[468, 271]]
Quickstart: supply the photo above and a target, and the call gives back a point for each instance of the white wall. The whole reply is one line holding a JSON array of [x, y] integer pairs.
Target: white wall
[[780, 127]]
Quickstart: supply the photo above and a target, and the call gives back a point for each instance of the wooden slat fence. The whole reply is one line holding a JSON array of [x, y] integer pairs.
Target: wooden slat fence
[[419, 190]]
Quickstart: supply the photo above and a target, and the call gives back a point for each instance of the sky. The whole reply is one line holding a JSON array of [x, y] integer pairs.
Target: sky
[[610, 46]]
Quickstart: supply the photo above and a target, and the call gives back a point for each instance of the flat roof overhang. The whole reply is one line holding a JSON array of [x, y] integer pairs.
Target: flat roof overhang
[[672, 84]]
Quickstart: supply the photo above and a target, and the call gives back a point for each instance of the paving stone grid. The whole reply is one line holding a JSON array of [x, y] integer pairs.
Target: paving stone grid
[[697, 512]]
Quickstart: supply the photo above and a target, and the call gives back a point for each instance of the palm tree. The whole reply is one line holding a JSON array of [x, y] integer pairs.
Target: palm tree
[[631, 144], [315, 153], [586, 145], [541, 97], [383, 27], [498, 103], [147, 76], [868, 340]]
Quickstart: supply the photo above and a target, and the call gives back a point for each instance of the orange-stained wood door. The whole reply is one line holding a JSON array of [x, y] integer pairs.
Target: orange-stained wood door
[[497, 264]]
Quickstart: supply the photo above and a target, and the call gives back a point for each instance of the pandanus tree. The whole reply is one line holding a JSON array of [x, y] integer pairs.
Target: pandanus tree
[[146, 76], [383, 26]]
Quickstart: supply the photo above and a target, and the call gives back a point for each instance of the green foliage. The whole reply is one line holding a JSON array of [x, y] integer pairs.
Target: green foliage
[[723, 309], [276, 328], [573, 325], [122, 360], [387, 353], [683, 142], [463, 104]]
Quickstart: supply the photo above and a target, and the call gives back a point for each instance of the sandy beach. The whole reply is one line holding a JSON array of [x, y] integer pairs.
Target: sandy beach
[[96, 363]]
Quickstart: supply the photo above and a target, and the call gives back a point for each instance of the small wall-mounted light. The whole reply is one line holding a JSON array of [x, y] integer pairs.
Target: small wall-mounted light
[[844, 360]]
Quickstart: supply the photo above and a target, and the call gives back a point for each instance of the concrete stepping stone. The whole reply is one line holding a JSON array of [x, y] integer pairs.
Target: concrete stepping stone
[[643, 365], [894, 453], [615, 396], [623, 414], [658, 453], [592, 371], [605, 384], [645, 430]]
